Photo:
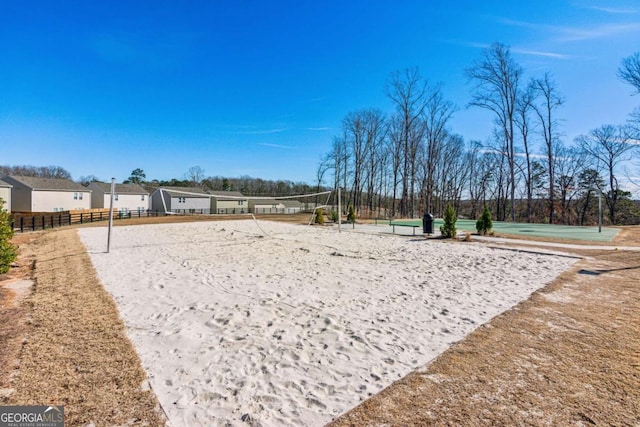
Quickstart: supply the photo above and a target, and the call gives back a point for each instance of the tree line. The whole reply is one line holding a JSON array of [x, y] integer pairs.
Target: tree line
[[410, 161], [36, 171], [248, 186]]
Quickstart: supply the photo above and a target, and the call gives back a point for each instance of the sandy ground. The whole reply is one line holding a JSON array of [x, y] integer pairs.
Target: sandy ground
[[68, 345], [291, 325], [566, 356]]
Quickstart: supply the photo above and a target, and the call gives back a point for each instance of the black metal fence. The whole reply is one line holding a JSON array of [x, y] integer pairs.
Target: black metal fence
[[31, 222], [27, 221], [239, 211]]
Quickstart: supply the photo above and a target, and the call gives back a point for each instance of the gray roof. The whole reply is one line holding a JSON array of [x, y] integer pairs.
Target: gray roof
[[36, 183], [290, 203], [232, 195], [178, 190], [5, 184], [120, 188]]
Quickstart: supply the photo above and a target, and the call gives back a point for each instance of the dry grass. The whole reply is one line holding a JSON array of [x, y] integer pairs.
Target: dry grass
[[75, 351], [13, 314], [570, 355]]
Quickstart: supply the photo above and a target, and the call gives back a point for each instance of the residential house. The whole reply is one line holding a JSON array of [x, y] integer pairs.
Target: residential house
[[229, 202], [266, 206], [180, 200], [127, 197], [33, 194], [5, 195], [291, 206]]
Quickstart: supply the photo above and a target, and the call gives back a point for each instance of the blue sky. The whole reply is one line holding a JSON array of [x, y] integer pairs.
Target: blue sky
[[260, 88]]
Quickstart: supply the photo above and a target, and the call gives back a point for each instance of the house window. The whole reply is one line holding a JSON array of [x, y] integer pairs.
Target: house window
[[75, 196], [240, 202], [115, 197], [79, 196], [182, 200], [142, 198]]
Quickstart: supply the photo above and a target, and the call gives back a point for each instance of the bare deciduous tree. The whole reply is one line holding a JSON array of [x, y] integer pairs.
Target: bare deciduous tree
[[524, 105], [550, 100], [410, 93], [195, 175], [569, 162], [629, 70], [395, 148], [436, 115], [609, 145], [496, 77], [36, 171]]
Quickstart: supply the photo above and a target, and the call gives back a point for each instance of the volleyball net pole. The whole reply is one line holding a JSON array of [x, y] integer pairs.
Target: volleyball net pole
[[113, 190], [339, 211]]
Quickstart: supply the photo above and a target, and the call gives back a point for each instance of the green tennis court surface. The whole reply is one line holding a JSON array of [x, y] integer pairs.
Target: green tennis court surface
[[523, 229]]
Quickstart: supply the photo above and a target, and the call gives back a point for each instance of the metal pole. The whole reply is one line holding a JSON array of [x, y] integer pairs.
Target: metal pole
[[599, 211], [339, 211], [113, 189]]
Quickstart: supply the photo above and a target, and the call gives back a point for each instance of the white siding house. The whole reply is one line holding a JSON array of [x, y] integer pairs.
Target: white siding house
[[5, 195], [31, 194], [273, 206], [265, 206], [291, 206], [181, 200], [127, 197], [229, 202]]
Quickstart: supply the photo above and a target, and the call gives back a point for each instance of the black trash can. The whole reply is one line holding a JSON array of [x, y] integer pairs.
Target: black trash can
[[427, 223]]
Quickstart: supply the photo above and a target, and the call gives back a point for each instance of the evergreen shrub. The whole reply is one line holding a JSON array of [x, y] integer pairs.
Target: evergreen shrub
[[8, 252], [484, 223], [448, 229]]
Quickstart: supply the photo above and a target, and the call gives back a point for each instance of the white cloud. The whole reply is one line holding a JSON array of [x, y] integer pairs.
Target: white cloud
[[613, 10], [598, 32], [540, 53], [285, 147], [519, 50], [568, 33], [263, 132], [466, 43]]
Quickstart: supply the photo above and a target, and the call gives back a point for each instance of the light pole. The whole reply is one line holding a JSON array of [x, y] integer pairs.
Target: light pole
[[599, 211], [599, 208]]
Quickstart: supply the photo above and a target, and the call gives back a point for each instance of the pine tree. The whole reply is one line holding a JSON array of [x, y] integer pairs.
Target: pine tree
[[351, 216], [484, 223], [448, 229], [8, 252]]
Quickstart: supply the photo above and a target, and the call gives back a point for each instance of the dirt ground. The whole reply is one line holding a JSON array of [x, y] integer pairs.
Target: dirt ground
[[65, 342], [569, 355]]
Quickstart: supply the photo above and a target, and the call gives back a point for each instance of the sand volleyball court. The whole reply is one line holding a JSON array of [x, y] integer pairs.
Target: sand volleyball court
[[264, 323]]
